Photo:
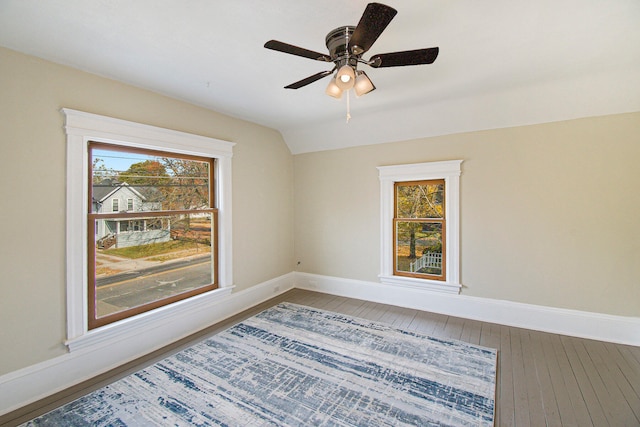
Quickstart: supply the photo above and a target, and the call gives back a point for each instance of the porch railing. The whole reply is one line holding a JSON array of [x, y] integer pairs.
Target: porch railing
[[428, 260]]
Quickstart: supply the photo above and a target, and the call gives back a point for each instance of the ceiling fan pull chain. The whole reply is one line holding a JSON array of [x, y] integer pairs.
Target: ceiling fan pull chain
[[348, 107]]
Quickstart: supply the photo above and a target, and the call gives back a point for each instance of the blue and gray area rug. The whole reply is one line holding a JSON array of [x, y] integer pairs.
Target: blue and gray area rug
[[293, 365]]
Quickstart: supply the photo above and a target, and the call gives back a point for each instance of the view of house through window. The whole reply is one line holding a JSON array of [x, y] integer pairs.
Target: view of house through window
[[419, 225], [152, 221]]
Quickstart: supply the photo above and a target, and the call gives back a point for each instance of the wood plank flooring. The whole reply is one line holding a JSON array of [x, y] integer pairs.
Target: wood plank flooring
[[543, 379]]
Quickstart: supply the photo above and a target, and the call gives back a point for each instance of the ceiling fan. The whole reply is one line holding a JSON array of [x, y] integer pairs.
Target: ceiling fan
[[347, 45]]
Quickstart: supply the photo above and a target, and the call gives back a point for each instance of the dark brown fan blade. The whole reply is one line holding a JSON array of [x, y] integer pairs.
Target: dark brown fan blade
[[407, 57], [295, 50], [374, 20], [308, 80]]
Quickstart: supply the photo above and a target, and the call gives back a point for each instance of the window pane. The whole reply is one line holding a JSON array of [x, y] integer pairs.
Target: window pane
[[147, 182], [420, 200], [419, 247], [143, 260]]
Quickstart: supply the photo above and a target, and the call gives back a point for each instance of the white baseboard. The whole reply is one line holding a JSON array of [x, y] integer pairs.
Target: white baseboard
[[597, 326], [19, 388]]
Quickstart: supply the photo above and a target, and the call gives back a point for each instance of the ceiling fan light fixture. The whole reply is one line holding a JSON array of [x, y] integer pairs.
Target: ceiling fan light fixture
[[333, 89], [346, 46], [345, 77], [363, 84]]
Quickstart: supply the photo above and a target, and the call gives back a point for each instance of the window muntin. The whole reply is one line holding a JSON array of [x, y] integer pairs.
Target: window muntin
[[166, 246], [419, 224]]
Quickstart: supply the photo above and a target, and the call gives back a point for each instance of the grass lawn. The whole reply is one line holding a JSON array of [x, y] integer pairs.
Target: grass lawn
[[156, 249]]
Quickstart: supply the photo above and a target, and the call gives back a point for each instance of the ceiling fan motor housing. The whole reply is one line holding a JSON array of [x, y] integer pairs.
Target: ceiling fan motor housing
[[338, 44]]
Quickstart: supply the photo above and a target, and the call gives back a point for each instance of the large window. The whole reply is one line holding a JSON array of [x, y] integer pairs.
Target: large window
[[420, 223], [161, 252], [165, 251]]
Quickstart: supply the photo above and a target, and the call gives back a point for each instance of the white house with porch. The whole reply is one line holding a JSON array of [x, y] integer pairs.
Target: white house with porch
[[119, 197]]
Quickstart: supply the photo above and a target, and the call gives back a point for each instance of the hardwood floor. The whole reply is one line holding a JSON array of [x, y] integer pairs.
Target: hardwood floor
[[543, 379]]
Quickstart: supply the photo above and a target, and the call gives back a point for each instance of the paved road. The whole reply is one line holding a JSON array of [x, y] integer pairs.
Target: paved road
[[168, 266], [126, 290]]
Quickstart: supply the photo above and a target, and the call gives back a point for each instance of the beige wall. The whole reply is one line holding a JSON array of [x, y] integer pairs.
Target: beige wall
[[550, 214], [32, 190]]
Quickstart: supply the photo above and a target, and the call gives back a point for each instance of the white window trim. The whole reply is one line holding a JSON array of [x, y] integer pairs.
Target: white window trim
[[389, 175], [83, 127]]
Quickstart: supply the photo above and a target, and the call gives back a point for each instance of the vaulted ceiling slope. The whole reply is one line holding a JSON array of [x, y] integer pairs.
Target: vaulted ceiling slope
[[502, 62]]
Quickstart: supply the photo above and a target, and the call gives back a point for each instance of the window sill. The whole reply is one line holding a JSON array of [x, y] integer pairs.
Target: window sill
[[421, 284], [140, 324]]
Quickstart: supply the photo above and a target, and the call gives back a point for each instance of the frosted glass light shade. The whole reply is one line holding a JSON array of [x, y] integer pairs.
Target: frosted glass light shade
[[333, 89], [363, 84], [346, 77]]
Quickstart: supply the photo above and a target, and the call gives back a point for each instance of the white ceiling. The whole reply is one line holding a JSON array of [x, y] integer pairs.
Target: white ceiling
[[502, 62]]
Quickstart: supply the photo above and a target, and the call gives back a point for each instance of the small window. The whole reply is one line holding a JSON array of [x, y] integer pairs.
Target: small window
[[115, 205], [176, 221], [419, 227]]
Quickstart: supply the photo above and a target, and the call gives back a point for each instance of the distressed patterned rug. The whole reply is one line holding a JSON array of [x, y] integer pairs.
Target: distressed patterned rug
[[293, 365]]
